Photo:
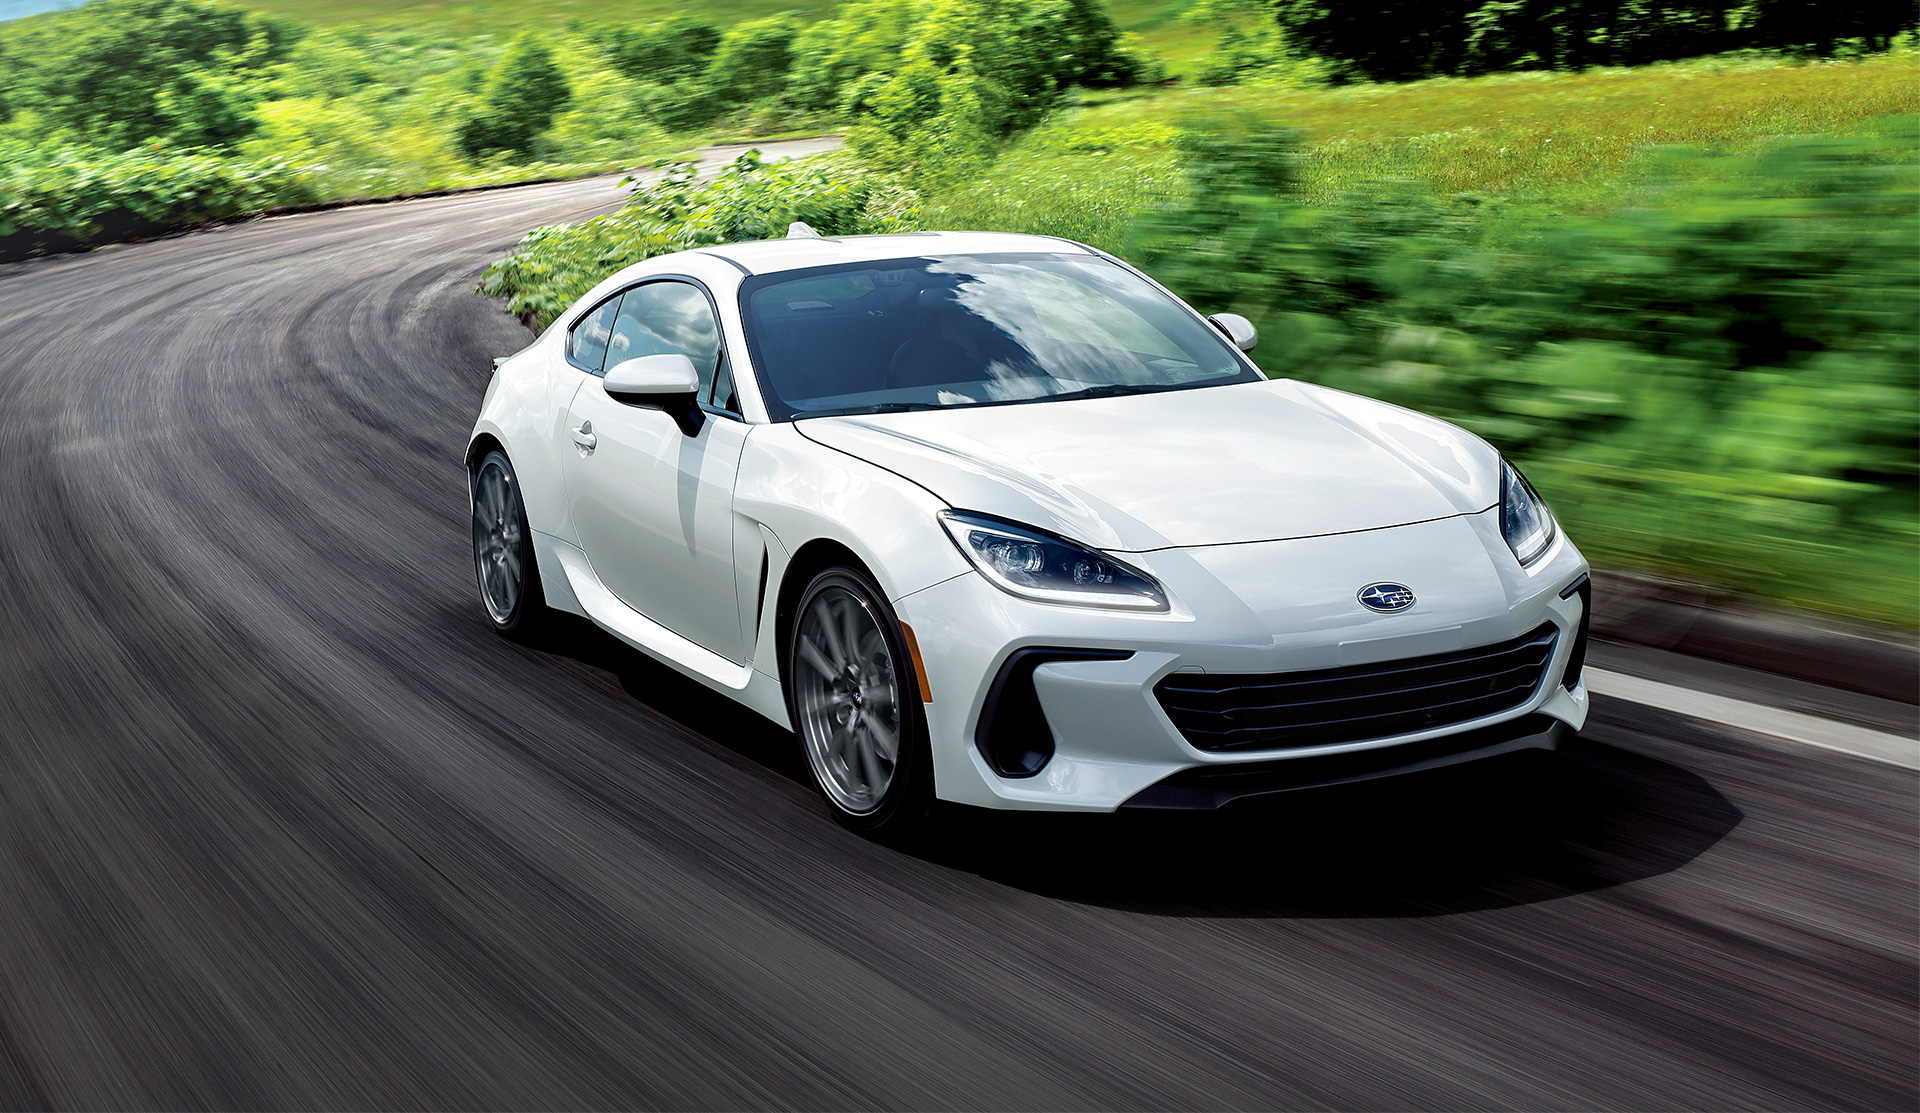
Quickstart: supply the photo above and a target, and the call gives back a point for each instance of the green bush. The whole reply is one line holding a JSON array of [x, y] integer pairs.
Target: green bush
[[749, 200], [521, 97], [753, 58], [116, 73], [936, 87], [1718, 380], [62, 198]]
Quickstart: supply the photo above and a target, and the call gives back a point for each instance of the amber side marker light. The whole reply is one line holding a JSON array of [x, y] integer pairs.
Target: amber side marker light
[[919, 666]]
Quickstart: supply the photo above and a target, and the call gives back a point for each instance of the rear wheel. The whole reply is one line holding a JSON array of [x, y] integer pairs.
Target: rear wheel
[[856, 708], [503, 558]]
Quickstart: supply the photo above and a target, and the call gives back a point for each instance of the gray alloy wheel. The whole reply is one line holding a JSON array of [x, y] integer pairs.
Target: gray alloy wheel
[[503, 559], [856, 705], [847, 687]]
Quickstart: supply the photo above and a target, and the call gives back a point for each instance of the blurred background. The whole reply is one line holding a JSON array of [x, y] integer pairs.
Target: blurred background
[[1665, 253], [283, 824]]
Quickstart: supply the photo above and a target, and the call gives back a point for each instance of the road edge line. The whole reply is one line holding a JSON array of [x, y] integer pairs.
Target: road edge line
[[1775, 722]]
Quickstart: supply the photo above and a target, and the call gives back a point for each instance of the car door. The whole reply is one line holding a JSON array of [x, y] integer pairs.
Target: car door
[[651, 505]]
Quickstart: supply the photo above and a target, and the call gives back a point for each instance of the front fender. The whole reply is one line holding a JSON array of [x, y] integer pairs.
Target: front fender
[[802, 491]]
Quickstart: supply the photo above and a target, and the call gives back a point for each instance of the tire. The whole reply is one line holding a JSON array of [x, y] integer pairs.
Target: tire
[[850, 685], [503, 562]]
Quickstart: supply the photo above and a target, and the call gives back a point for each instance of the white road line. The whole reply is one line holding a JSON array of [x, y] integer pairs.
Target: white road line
[[1810, 730]]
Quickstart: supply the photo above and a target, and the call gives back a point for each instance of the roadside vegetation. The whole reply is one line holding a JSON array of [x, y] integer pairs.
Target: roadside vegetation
[[1665, 255]]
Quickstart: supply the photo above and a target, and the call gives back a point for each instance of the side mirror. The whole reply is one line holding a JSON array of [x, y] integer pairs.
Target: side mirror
[[1237, 329], [667, 382]]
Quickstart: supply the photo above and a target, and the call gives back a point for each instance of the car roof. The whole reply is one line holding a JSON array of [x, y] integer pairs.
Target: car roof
[[770, 256]]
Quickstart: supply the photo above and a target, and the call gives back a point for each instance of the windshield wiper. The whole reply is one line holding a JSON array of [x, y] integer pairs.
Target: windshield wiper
[[1110, 390], [875, 408]]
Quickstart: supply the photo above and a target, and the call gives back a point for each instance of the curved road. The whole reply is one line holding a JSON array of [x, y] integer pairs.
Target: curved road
[[283, 825]]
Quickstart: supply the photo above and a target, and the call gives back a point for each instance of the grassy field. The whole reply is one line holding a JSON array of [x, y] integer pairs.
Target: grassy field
[[1654, 244], [1570, 137], [1564, 142]]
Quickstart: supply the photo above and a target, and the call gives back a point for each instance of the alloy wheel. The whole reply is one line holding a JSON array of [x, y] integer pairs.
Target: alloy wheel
[[497, 540], [848, 698]]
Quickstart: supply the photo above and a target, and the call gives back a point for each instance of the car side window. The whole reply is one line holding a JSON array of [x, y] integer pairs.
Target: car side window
[[587, 342], [669, 317], [723, 396]]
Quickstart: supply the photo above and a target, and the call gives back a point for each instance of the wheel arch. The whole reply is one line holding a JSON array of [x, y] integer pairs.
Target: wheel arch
[[811, 559], [477, 449]]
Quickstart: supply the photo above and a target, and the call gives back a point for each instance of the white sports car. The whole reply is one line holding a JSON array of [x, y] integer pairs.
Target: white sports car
[[997, 519]]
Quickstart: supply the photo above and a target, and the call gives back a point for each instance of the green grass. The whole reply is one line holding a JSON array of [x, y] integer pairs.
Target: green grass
[[1564, 142], [1574, 138], [1511, 165]]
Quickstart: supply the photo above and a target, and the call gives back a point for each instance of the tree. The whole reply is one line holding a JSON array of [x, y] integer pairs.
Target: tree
[[518, 102], [753, 58], [1383, 40], [1818, 25], [1401, 40], [678, 49], [121, 72]]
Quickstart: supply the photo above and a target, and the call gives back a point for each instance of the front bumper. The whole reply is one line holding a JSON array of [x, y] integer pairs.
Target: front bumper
[[1258, 608]]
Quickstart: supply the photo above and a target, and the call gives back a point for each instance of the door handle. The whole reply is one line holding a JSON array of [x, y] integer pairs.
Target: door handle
[[584, 439]]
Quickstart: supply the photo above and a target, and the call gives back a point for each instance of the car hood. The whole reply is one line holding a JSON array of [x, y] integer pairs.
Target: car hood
[[1262, 461]]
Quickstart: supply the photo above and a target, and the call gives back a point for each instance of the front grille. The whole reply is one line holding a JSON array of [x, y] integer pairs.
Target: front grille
[[1289, 710]]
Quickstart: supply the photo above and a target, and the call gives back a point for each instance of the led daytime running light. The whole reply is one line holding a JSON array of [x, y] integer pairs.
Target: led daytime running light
[[1049, 569]]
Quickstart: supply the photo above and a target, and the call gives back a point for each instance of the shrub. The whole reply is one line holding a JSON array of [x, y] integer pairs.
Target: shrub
[[935, 87], [62, 198], [750, 199], [753, 58], [521, 96], [1718, 381]]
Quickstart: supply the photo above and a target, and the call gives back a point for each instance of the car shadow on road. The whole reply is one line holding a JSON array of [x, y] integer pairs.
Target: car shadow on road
[[1492, 834]]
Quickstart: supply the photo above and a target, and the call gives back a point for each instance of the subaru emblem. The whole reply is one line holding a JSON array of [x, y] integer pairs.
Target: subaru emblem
[[1386, 597]]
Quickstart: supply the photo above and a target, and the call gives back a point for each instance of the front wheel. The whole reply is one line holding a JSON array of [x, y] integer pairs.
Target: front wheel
[[855, 703], [503, 552]]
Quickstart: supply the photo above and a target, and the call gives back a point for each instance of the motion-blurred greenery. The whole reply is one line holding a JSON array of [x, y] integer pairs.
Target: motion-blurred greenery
[[1701, 348], [749, 200], [1683, 296], [1717, 380]]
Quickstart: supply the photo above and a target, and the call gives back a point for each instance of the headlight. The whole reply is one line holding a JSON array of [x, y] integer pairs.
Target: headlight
[[1034, 565], [1524, 517]]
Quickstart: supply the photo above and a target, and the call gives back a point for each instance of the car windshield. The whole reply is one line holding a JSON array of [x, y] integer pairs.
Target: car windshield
[[978, 330]]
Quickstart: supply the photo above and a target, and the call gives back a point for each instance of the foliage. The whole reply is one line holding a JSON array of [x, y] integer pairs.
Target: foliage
[[117, 73], [519, 101], [676, 49], [1436, 37], [1719, 381], [1250, 46], [936, 86], [750, 199], [54, 199], [753, 58]]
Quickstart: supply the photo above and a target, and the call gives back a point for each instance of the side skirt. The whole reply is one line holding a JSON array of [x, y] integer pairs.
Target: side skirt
[[580, 592]]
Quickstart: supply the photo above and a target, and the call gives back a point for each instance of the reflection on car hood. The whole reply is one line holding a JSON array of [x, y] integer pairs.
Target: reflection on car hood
[[1209, 466]]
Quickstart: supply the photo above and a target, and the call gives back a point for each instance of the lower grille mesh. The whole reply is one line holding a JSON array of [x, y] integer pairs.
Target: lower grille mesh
[[1293, 709]]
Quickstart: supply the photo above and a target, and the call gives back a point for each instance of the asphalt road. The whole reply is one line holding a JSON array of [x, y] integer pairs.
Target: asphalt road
[[283, 825]]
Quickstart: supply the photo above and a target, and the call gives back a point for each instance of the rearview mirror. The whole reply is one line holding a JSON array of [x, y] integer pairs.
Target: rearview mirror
[[1237, 330], [667, 382]]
